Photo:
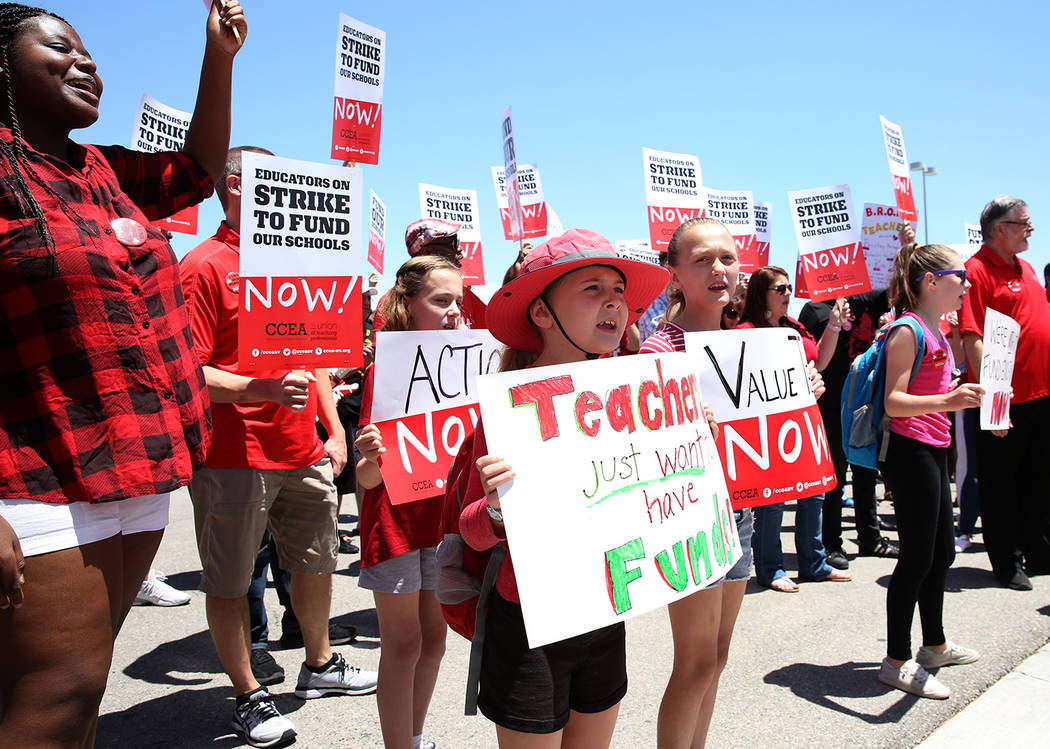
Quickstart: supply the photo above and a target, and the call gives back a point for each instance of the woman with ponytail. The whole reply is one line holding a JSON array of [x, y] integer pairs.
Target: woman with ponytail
[[104, 409]]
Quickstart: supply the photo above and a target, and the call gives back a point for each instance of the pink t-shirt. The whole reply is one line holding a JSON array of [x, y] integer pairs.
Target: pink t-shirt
[[933, 378]]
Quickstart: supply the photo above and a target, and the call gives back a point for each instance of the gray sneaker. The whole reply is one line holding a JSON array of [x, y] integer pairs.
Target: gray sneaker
[[914, 679], [338, 678], [953, 655], [258, 720]]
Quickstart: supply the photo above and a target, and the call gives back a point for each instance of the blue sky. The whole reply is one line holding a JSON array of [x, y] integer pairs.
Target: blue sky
[[770, 96]]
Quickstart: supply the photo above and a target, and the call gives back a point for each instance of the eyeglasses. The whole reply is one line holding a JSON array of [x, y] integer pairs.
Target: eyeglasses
[[1026, 222], [781, 288], [951, 272]]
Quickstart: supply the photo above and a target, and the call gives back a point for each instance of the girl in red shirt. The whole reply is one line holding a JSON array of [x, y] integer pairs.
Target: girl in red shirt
[[398, 541]]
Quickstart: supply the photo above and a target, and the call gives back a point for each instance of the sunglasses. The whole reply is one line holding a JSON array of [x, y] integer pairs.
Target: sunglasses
[[960, 273], [781, 288]]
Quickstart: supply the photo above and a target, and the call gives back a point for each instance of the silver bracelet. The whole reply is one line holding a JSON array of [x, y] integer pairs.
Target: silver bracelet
[[494, 513]]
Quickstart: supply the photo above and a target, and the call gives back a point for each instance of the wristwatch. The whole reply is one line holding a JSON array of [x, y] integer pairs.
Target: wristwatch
[[494, 513]]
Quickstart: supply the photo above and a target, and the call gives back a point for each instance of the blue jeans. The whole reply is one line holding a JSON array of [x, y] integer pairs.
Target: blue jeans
[[267, 558], [769, 555]]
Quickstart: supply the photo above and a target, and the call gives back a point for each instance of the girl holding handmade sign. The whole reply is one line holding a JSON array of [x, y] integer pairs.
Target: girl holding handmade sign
[[398, 541], [927, 283], [572, 302]]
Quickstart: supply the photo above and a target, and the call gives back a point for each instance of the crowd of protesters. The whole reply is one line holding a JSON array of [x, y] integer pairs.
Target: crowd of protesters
[[122, 385]]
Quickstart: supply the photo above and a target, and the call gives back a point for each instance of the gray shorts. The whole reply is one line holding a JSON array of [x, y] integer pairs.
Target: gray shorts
[[406, 573]]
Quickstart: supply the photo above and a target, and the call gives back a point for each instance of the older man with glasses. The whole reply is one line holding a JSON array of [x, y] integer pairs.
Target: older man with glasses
[[1013, 466]]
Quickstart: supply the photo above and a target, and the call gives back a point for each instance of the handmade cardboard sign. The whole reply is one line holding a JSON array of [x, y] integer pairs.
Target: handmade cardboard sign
[[533, 209], [459, 207], [159, 127], [880, 228], [673, 192], [762, 232], [773, 443], [735, 209], [618, 505], [636, 249], [376, 231], [898, 158], [300, 270], [828, 242], [1001, 333], [425, 403], [510, 171], [360, 68]]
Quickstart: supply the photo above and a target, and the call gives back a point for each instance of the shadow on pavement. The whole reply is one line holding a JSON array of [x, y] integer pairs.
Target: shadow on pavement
[[185, 580], [365, 620], [852, 681], [959, 579], [194, 654], [183, 718]]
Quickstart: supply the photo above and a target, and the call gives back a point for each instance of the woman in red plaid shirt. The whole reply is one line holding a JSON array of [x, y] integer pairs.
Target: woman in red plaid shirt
[[103, 408]]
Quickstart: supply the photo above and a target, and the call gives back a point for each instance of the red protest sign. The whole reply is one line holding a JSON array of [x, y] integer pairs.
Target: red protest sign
[[835, 272], [897, 156], [459, 207], [376, 231], [831, 261], [533, 208], [357, 112], [673, 193]]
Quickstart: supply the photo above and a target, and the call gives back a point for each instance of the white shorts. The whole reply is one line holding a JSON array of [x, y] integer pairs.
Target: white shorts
[[43, 527]]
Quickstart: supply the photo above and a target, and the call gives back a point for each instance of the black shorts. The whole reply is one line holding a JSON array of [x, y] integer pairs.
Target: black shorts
[[533, 690]]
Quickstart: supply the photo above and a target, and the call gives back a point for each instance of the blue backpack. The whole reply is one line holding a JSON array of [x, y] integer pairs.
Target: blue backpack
[[863, 407]]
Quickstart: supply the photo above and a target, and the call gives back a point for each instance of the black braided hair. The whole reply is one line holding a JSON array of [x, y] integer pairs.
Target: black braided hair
[[13, 19]]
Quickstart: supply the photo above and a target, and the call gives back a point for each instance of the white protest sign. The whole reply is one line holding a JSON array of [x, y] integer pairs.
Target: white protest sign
[[828, 242], [1001, 333], [735, 209], [459, 207], [618, 505], [424, 402], [360, 69], [773, 444], [533, 209], [554, 227], [673, 192], [762, 231], [898, 160], [973, 234], [880, 229], [637, 249], [376, 231], [300, 264], [510, 169], [159, 127]]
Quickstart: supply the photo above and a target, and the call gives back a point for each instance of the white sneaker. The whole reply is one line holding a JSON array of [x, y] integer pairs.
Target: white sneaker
[[338, 678], [155, 592], [258, 720], [962, 543], [914, 679], [953, 655]]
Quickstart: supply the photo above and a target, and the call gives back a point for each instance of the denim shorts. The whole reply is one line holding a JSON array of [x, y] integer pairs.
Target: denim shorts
[[745, 526]]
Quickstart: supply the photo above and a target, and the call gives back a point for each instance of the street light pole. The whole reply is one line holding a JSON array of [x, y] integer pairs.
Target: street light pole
[[918, 166]]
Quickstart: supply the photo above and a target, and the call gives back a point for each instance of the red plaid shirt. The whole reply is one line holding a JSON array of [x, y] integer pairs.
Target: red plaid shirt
[[101, 395]]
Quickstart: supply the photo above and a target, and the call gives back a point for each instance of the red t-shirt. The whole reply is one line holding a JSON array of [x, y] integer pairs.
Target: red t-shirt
[[389, 530], [473, 311], [262, 435], [809, 343], [1013, 290]]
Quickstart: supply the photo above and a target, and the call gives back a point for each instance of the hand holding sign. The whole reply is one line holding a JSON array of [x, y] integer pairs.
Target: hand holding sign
[[226, 25], [293, 390]]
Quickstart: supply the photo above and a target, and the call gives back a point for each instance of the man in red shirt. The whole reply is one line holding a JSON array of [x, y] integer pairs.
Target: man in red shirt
[[266, 468], [1012, 476]]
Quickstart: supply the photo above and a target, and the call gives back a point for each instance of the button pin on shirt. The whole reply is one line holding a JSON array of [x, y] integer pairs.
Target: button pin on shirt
[[130, 232]]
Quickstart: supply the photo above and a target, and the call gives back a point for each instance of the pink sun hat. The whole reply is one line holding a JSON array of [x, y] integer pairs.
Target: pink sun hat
[[507, 315], [420, 233]]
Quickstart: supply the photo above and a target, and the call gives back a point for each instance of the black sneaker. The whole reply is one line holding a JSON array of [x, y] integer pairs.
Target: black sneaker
[[264, 668], [257, 719], [338, 634], [883, 548], [1017, 581], [838, 559]]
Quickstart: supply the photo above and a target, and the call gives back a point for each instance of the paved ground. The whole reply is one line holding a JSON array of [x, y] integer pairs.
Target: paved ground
[[801, 672]]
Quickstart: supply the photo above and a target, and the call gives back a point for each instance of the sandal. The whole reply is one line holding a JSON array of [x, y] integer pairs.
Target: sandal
[[838, 576], [783, 585]]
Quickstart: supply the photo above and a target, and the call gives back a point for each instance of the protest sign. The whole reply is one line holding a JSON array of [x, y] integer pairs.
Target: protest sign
[[376, 231], [735, 209], [159, 127], [554, 227], [636, 249], [898, 158], [801, 292], [828, 242], [360, 68], [618, 505], [773, 443], [300, 269], [880, 228], [459, 207], [533, 209], [973, 234], [762, 232], [510, 171], [673, 192], [425, 403], [997, 368]]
